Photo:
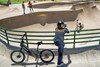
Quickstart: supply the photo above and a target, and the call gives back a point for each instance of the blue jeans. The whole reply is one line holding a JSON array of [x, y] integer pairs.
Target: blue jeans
[[60, 45]]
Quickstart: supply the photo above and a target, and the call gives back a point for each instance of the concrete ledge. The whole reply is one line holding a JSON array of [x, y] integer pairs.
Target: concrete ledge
[[35, 18]]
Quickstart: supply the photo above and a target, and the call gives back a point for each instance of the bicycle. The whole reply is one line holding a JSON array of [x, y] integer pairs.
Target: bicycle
[[18, 56]]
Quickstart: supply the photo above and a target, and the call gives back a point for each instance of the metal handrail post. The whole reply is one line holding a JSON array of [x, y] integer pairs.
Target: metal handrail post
[[26, 39], [99, 42], [74, 39], [7, 37]]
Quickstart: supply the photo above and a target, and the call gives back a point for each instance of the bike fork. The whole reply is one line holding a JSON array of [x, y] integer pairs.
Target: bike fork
[[20, 51], [37, 56]]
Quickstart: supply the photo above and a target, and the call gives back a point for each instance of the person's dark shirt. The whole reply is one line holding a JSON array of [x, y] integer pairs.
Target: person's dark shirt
[[23, 6]]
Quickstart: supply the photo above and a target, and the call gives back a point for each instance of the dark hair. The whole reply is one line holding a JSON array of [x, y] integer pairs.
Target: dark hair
[[59, 24]]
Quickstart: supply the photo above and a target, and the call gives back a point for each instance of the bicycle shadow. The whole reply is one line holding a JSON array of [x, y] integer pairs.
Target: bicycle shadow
[[36, 64]]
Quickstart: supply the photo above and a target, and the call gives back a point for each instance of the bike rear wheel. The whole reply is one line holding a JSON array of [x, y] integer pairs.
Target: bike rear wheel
[[17, 56], [46, 56]]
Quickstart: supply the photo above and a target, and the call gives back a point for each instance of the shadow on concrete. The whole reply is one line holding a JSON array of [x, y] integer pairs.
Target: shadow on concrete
[[37, 64], [69, 61]]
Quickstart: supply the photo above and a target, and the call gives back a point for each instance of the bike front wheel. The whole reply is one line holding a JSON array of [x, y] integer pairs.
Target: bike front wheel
[[46, 56], [17, 56]]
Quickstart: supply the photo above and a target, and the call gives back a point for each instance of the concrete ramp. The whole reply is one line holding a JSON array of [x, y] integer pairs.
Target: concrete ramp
[[89, 15], [78, 11], [39, 18], [96, 11], [4, 51], [78, 57], [52, 4], [86, 59]]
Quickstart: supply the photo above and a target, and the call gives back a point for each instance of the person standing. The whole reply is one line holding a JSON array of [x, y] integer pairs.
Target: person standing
[[79, 26], [23, 6], [60, 30], [30, 6]]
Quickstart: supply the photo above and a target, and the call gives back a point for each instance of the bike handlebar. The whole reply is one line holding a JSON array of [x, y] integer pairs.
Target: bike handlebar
[[23, 36], [22, 41], [39, 43]]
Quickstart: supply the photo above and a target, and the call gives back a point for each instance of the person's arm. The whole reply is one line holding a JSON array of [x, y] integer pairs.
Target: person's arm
[[66, 30]]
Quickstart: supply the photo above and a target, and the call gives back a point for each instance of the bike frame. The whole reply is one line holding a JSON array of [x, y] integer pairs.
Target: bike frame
[[29, 51]]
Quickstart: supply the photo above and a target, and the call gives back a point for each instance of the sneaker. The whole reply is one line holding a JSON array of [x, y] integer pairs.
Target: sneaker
[[60, 64]]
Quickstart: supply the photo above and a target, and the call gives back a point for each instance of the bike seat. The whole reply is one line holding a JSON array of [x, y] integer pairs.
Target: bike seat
[[39, 43]]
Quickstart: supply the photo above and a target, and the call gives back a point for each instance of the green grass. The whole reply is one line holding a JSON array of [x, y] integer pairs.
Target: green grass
[[12, 1], [3, 1]]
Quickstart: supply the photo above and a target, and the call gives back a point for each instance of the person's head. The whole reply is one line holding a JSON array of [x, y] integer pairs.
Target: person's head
[[79, 23], [23, 2], [77, 20], [60, 25]]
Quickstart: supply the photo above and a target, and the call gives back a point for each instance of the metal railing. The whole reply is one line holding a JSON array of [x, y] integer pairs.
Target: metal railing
[[32, 37]]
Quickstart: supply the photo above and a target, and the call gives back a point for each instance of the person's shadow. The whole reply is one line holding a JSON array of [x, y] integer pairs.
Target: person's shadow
[[69, 60]]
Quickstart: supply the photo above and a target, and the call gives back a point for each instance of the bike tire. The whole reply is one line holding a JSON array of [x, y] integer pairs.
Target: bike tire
[[16, 56], [43, 53]]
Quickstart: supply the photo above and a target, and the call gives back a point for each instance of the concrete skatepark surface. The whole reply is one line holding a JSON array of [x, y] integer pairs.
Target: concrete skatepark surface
[[80, 57], [45, 19]]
